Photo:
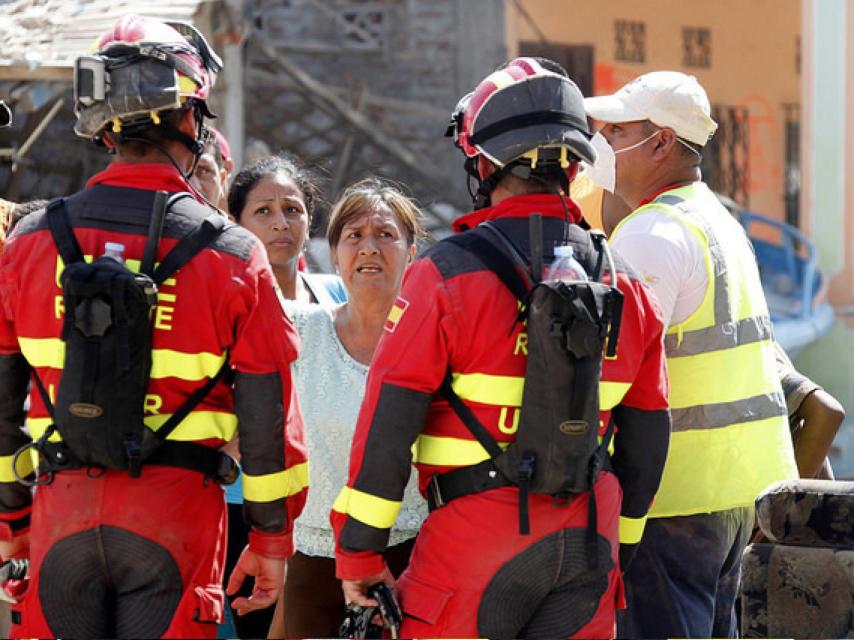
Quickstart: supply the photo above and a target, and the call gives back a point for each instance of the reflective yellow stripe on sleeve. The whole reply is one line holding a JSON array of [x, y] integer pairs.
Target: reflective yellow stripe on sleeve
[[374, 511], [25, 467], [275, 486], [631, 529], [611, 394], [165, 363]]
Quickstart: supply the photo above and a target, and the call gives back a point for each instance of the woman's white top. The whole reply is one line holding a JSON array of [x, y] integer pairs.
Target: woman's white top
[[331, 384]]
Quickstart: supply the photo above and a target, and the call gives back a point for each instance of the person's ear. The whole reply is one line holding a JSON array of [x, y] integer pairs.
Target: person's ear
[[411, 253], [572, 170], [187, 123], [484, 167], [664, 143], [108, 141]]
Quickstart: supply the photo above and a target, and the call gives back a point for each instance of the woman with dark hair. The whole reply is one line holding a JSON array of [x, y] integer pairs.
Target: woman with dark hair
[[275, 198], [372, 234]]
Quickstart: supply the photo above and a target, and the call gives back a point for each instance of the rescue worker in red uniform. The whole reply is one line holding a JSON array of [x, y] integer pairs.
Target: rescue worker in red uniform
[[113, 555], [471, 573]]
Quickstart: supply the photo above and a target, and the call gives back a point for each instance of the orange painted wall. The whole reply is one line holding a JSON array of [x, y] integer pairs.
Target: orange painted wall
[[754, 49]]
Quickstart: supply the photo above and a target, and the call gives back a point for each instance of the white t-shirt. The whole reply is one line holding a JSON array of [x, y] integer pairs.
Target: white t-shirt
[[330, 386], [668, 259]]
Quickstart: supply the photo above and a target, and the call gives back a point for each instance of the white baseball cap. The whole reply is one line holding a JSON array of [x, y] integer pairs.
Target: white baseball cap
[[666, 98]]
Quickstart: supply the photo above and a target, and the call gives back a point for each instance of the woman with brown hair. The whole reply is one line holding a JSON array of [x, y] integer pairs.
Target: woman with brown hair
[[372, 235]]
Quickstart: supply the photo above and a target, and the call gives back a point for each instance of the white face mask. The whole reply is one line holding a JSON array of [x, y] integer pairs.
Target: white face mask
[[603, 172]]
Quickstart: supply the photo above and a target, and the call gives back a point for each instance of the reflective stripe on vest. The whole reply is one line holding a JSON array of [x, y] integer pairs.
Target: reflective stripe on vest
[[165, 363], [730, 434], [500, 391], [506, 391], [198, 425]]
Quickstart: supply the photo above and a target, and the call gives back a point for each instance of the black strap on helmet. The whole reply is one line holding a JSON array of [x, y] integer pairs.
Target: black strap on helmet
[[521, 168], [527, 120], [483, 197], [210, 59]]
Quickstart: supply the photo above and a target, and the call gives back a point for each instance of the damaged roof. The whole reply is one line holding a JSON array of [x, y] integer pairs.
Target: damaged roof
[[43, 37]]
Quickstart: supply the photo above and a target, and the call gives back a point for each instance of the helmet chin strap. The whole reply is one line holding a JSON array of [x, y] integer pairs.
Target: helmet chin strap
[[482, 198], [519, 168], [175, 164]]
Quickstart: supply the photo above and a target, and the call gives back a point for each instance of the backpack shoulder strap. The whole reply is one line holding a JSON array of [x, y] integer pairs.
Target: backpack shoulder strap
[[189, 246], [191, 403], [62, 232], [468, 418], [508, 269], [162, 203], [180, 255]]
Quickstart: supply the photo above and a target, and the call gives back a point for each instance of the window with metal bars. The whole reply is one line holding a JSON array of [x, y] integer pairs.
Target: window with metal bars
[[696, 47], [629, 41], [792, 171], [726, 157], [363, 24]]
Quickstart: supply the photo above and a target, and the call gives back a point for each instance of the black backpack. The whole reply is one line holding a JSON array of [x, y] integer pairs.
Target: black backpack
[[570, 327], [107, 333]]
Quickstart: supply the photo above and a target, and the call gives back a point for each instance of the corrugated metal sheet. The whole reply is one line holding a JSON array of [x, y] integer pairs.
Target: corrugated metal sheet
[[53, 32]]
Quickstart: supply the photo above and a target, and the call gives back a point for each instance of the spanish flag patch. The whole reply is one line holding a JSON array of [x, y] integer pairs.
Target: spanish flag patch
[[397, 309]]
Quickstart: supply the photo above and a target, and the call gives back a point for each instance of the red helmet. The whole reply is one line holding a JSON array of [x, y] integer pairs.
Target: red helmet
[[142, 66], [523, 112], [221, 143]]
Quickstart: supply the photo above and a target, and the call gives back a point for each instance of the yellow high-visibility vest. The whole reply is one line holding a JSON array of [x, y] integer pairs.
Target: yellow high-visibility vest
[[730, 436]]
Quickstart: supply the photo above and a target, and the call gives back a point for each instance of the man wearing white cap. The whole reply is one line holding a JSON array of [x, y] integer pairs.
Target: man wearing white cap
[[729, 438]]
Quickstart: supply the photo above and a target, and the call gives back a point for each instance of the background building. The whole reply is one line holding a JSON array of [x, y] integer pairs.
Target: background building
[[745, 53]]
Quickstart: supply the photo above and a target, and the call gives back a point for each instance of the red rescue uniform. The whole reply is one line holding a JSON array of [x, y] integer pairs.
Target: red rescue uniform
[[455, 315], [154, 544]]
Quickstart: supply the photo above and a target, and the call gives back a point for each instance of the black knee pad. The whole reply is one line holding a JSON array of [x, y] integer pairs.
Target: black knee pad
[[109, 582], [547, 590]]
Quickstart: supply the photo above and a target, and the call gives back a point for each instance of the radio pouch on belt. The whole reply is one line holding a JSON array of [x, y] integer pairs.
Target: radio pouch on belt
[[107, 333], [570, 326]]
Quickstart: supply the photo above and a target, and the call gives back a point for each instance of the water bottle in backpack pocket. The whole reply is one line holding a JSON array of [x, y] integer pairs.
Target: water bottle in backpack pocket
[[565, 267]]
